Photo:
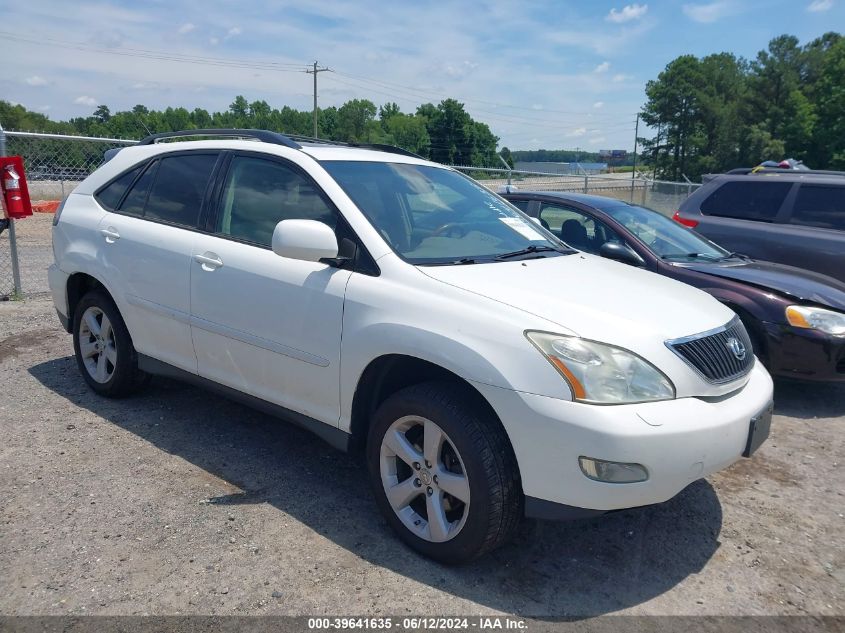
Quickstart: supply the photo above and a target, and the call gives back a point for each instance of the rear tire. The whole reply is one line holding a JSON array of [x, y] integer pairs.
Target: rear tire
[[103, 348], [443, 472]]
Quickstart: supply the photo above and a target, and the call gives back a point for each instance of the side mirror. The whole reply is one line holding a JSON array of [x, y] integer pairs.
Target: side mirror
[[620, 253], [307, 240]]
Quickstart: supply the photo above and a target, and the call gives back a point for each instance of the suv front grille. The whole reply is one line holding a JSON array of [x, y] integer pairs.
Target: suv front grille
[[717, 356]]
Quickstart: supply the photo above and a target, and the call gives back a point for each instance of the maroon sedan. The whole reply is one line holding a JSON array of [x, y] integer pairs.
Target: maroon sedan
[[796, 318]]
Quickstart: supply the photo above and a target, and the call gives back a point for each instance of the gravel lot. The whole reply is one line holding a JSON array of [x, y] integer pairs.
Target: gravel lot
[[176, 501]]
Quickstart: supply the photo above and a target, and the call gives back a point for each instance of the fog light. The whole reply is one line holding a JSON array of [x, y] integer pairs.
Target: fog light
[[612, 472]]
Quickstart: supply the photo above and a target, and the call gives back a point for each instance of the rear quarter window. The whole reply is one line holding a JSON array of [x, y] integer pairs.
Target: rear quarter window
[[822, 206], [758, 201], [110, 195]]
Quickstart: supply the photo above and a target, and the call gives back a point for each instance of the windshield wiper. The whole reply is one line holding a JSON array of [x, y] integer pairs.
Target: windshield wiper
[[463, 261], [705, 256], [527, 251]]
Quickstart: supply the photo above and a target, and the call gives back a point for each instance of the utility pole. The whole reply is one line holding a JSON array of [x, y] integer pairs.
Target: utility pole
[[314, 72], [634, 168]]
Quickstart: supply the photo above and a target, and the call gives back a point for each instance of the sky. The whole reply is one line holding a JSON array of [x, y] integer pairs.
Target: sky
[[541, 73]]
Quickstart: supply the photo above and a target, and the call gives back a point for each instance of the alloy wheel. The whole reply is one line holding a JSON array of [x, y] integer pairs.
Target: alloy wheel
[[424, 479]]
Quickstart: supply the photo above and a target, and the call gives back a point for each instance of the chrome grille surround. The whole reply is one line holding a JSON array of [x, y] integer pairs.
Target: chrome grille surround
[[710, 354]]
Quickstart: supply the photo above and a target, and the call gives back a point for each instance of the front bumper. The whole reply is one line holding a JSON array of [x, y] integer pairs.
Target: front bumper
[[804, 354], [678, 441]]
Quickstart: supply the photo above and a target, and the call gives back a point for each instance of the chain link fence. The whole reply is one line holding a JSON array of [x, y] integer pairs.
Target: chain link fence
[[659, 195], [56, 163]]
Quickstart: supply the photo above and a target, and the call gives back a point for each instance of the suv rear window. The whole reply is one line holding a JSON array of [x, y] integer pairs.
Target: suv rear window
[[744, 200], [821, 206]]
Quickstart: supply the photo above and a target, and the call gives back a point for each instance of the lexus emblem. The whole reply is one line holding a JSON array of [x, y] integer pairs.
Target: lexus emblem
[[736, 346]]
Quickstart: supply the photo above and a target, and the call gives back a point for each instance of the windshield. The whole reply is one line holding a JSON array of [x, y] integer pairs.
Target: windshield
[[664, 236], [437, 216]]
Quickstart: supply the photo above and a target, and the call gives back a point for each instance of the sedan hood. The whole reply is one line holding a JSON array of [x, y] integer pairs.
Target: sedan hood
[[594, 298], [788, 280]]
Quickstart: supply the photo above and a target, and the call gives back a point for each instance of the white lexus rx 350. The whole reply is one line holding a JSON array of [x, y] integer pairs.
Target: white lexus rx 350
[[483, 369]]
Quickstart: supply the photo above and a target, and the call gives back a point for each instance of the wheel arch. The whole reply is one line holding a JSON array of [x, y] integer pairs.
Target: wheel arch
[[77, 286], [388, 374]]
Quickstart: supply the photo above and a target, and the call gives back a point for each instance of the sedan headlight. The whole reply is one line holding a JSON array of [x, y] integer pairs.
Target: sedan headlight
[[807, 317], [602, 374]]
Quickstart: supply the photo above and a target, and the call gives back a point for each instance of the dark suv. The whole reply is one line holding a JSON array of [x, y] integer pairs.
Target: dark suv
[[789, 217]]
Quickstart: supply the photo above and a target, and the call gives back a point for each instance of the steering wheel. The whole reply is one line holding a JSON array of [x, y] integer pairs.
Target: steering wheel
[[449, 229]]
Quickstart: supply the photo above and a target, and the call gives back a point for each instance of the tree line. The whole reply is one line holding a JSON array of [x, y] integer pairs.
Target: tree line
[[714, 113], [445, 132]]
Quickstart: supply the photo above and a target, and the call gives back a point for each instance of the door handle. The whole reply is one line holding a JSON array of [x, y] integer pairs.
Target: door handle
[[210, 261], [110, 234]]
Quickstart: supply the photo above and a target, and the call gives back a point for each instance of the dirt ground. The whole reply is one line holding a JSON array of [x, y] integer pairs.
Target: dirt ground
[[176, 501]]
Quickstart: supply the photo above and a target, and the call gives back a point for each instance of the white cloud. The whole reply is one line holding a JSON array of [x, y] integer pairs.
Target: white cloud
[[233, 32], [620, 78], [214, 41], [602, 68], [186, 28], [536, 106], [86, 101], [579, 131], [627, 13], [459, 70], [598, 104], [43, 108], [36, 80], [820, 6], [597, 140], [707, 13]]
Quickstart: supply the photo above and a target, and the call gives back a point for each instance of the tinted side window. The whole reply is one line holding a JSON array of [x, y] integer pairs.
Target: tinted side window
[[522, 205], [133, 203], [746, 200], [110, 195], [179, 187], [821, 206], [259, 193]]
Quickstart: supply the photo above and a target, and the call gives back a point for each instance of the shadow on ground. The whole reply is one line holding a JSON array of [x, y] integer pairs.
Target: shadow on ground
[[805, 400], [575, 569]]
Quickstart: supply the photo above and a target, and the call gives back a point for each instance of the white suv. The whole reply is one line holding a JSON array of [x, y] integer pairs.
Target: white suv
[[393, 306]]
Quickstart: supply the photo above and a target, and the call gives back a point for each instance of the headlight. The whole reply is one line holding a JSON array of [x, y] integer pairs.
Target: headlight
[[602, 374], [826, 321]]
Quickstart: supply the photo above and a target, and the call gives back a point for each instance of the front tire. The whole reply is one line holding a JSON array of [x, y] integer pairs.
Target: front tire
[[103, 348], [443, 472]]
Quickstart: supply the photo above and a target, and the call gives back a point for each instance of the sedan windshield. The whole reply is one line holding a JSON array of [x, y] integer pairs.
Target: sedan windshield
[[434, 216], [668, 239]]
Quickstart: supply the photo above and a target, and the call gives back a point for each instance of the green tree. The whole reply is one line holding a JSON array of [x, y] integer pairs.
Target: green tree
[[410, 132], [353, 119], [829, 133]]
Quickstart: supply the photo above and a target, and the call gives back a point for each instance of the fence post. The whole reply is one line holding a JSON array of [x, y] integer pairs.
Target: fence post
[[13, 242], [586, 183]]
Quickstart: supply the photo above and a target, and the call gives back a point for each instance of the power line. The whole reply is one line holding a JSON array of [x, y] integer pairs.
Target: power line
[[159, 55], [441, 96], [488, 114]]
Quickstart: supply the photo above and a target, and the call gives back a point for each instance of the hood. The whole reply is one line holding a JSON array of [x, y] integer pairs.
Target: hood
[[788, 280], [593, 297]]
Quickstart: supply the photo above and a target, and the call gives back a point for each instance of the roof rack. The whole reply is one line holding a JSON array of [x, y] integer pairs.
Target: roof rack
[[266, 136], [380, 147], [745, 171]]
